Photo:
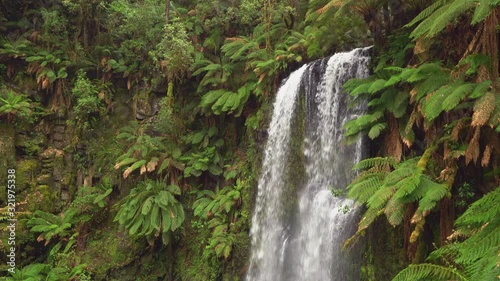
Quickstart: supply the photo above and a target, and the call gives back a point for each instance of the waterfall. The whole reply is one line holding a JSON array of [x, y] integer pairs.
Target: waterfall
[[304, 242]]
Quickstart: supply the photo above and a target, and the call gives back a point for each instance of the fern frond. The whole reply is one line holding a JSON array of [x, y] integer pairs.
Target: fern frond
[[376, 130], [427, 12], [451, 12], [482, 11], [376, 86], [399, 174], [375, 161], [407, 185], [482, 211], [435, 192], [394, 211], [365, 189], [486, 241], [380, 198], [433, 106], [427, 271], [457, 95]]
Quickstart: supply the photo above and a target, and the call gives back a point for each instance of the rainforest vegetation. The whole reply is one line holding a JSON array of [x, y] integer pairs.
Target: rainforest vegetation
[[136, 129]]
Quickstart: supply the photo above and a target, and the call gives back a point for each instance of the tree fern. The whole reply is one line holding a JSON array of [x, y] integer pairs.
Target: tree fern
[[476, 257], [386, 187]]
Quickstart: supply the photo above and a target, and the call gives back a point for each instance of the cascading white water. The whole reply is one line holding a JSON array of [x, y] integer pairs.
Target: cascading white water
[[324, 220], [307, 245], [268, 229]]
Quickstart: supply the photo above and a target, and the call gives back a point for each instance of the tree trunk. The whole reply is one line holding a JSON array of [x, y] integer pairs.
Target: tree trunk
[[167, 11]]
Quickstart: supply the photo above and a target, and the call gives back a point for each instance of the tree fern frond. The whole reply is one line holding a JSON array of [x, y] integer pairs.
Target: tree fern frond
[[363, 190], [486, 268], [457, 95], [455, 9], [376, 86], [376, 130], [429, 21], [482, 211], [368, 218], [394, 211], [480, 245], [482, 11], [361, 89], [427, 12], [380, 198], [433, 106], [435, 192], [375, 161], [407, 185], [427, 70], [431, 84], [396, 101], [427, 271], [398, 175], [353, 83], [480, 89]]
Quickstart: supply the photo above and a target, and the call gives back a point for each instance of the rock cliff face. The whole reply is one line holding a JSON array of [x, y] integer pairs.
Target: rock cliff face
[[7, 155]]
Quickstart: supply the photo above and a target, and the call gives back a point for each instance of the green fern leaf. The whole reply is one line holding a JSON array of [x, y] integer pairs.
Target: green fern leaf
[[448, 15], [376, 130], [482, 11], [426, 271], [372, 162], [457, 95], [376, 86], [480, 89], [435, 193], [394, 211], [380, 198], [427, 12], [433, 106]]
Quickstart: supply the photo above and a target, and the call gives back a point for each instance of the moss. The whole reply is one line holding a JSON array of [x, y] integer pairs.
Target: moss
[[295, 170], [108, 251], [26, 174], [383, 255], [44, 198], [190, 262]]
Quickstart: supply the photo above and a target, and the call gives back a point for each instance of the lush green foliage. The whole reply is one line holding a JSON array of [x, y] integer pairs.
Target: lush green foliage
[[150, 210], [39, 271], [473, 250], [156, 120], [444, 108], [220, 211]]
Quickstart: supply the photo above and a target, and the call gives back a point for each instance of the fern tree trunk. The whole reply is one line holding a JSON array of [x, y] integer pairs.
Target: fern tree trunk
[[167, 11], [446, 220], [409, 248]]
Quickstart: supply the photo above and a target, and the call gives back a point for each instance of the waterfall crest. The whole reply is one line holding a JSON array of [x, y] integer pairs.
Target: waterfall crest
[[305, 244]]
